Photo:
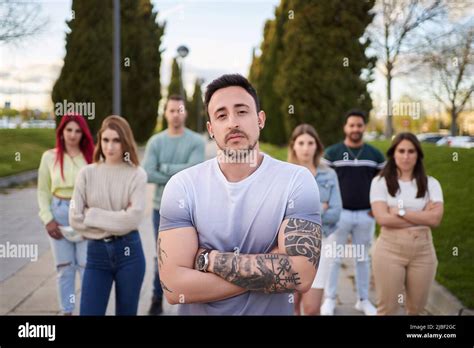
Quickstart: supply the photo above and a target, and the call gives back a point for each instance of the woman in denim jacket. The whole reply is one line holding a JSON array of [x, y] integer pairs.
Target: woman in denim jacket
[[306, 149]]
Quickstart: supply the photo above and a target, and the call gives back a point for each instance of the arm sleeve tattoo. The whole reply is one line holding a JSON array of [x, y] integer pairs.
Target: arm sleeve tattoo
[[303, 238], [272, 273]]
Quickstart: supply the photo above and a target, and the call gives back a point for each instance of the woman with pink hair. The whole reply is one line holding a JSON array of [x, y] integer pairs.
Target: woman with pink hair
[[56, 177]]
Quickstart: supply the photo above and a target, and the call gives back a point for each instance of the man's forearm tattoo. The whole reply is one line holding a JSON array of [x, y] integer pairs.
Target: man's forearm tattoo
[[261, 272], [161, 252], [303, 238], [272, 273], [164, 287]]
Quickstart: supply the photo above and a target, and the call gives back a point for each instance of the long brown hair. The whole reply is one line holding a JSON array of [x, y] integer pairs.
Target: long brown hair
[[300, 130], [390, 171], [121, 126]]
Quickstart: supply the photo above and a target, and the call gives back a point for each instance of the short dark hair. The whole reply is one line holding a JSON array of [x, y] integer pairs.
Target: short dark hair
[[175, 97], [357, 113], [230, 80]]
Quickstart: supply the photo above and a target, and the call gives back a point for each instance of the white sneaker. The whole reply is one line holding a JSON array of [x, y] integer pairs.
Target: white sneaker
[[328, 306], [366, 307]]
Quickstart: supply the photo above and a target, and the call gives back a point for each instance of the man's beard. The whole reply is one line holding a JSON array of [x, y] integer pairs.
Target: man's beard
[[355, 137], [233, 154], [176, 124]]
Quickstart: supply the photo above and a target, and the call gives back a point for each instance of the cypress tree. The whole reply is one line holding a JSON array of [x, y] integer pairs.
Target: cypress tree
[[263, 73], [141, 56], [174, 87], [86, 75], [319, 77], [196, 110]]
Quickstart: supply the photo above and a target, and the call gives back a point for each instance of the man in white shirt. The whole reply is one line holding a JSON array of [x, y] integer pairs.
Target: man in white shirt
[[240, 232]]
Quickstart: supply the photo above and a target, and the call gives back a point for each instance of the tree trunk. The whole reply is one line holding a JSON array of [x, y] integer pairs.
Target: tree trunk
[[389, 121], [454, 126]]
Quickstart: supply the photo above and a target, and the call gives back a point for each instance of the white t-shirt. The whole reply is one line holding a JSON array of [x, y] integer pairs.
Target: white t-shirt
[[406, 196], [244, 216]]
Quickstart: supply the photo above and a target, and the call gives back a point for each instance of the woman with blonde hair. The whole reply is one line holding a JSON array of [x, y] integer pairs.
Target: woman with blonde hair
[[306, 149], [108, 205], [406, 204]]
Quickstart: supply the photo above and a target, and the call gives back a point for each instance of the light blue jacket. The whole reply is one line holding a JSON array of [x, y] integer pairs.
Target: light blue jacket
[[329, 193]]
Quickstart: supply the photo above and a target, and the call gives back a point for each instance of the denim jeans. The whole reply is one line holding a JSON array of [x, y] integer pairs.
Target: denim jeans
[[69, 257], [120, 260], [361, 226], [157, 290]]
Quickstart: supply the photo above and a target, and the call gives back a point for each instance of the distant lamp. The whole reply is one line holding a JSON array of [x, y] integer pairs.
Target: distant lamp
[[183, 51]]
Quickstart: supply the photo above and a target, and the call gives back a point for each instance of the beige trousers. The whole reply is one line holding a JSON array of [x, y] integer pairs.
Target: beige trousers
[[404, 265]]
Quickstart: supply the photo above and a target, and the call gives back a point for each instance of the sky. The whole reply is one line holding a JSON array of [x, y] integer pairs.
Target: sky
[[220, 35]]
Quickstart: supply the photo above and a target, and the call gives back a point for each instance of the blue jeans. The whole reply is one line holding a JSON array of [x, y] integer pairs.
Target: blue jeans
[[69, 257], [361, 226], [157, 290], [121, 260]]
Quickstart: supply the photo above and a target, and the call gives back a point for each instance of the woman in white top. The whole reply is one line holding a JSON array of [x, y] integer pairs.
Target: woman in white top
[[406, 203]]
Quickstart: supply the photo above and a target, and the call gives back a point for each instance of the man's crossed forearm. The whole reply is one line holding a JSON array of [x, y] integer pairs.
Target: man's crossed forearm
[[261, 272], [274, 272]]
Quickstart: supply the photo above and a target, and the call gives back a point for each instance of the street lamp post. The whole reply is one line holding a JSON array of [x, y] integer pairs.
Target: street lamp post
[[116, 65], [183, 51]]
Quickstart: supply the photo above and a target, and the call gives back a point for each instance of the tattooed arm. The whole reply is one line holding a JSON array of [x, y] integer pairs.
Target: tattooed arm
[[293, 268], [180, 282]]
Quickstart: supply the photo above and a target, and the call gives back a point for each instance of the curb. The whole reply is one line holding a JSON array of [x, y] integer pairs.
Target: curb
[[443, 302], [19, 178]]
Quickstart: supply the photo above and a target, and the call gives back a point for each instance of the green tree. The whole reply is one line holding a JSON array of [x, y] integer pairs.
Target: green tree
[[174, 87], [175, 83], [263, 73], [86, 76], [8, 112], [141, 39], [196, 113], [324, 70]]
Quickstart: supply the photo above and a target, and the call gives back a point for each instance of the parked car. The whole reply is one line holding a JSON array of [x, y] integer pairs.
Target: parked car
[[429, 137], [7, 125], [38, 124], [466, 142], [370, 136]]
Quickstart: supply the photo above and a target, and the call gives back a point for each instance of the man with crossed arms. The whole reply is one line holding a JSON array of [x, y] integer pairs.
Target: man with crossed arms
[[238, 237]]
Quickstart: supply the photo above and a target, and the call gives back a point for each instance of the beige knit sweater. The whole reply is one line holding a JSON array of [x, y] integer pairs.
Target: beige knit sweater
[[108, 200]]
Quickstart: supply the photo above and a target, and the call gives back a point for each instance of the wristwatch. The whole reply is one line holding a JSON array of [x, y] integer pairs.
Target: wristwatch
[[401, 212], [203, 260]]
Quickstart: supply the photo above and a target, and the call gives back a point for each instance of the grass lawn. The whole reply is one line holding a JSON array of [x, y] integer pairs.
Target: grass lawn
[[453, 239], [22, 149]]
